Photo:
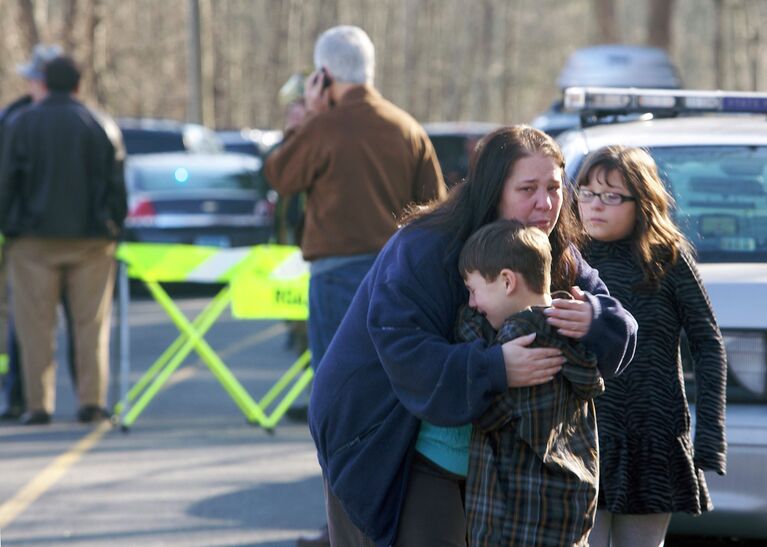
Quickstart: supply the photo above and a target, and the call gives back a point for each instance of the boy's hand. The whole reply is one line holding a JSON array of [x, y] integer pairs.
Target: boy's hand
[[571, 317], [530, 366]]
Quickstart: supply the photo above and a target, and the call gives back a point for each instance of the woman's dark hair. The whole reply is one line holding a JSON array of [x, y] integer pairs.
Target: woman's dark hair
[[656, 241], [474, 202]]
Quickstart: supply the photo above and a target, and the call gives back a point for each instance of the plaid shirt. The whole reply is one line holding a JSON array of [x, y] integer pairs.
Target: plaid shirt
[[533, 462]]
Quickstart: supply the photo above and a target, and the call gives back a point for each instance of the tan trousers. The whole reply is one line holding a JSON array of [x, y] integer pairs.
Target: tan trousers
[[85, 269]]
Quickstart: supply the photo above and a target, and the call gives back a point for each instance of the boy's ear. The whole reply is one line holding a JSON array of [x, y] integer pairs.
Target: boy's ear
[[510, 280]]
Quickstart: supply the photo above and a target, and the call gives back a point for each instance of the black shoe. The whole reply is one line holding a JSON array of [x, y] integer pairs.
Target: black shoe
[[298, 413], [35, 417], [12, 414], [320, 539], [92, 413]]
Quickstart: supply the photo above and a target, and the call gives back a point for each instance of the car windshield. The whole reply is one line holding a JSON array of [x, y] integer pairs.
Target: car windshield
[[164, 178], [453, 153], [721, 198], [139, 141]]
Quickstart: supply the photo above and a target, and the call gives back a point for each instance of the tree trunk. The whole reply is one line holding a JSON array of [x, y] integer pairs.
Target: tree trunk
[[751, 13], [607, 29], [88, 60], [719, 43], [659, 23], [68, 26], [27, 23], [210, 64]]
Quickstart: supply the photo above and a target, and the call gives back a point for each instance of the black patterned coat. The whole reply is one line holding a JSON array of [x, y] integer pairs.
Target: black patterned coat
[[649, 462]]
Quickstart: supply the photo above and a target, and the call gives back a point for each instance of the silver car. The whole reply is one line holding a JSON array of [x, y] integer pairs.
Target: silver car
[[715, 165], [199, 199]]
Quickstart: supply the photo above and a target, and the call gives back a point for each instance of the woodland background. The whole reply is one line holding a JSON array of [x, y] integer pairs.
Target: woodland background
[[484, 60]]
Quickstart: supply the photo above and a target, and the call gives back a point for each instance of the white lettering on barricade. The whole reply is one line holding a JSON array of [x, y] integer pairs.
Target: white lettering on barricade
[[272, 283]]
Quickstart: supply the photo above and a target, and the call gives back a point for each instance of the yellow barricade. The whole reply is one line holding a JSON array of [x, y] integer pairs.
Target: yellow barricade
[[262, 282]]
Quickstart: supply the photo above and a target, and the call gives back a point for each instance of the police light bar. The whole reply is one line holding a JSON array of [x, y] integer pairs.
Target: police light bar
[[618, 101]]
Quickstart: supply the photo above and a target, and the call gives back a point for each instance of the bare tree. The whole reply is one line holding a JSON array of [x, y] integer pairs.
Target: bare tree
[[67, 32], [719, 43], [92, 18], [493, 60], [659, 23], [607, 27], [753, 42], [27, 24]]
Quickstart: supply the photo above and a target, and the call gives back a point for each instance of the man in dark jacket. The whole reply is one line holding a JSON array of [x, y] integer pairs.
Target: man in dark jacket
[[62, 206], [32, 72]]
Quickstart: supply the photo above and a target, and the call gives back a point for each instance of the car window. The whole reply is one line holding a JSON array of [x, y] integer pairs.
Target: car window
[[453, 153], [721, 199], [140, 141], [152, 179]]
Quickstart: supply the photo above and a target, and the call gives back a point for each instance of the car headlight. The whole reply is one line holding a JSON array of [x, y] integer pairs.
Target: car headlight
[[747, 359]]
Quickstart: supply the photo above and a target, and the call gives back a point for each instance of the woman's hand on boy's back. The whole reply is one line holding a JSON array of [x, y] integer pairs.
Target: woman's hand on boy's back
[[530, 366], [571, 317]]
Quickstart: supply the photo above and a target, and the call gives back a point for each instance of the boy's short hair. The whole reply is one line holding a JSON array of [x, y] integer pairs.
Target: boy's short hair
[[512, 245]]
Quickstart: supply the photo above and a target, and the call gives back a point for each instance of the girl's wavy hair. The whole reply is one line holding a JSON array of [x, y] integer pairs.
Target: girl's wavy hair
[[474, 202], [656, 241]]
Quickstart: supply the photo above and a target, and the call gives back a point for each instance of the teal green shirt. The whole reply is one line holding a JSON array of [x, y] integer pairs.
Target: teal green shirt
[[448, 447]]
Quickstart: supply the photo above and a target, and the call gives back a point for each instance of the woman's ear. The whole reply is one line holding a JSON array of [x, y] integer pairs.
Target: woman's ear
[[509, 278]]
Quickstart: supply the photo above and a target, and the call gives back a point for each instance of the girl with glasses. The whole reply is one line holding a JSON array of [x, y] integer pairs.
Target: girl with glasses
[[650, 465]]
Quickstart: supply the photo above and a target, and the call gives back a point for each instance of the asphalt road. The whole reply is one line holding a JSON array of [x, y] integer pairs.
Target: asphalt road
[[190, 471]]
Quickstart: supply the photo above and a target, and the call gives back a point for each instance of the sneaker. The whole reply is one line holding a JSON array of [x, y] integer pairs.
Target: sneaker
[[92, 413]]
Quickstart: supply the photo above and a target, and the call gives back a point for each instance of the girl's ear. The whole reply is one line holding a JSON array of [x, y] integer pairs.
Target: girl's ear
[[510, 280]]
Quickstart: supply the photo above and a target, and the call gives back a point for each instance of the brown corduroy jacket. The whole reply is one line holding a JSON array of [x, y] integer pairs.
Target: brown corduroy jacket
[[361, 164]]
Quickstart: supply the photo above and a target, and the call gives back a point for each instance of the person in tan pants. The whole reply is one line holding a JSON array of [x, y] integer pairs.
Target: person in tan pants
[[12, 384], [62, 206], [85, 269]]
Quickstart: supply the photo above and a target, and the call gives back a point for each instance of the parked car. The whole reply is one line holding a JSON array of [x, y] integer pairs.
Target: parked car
[[454, 143], [254, 142], [152, 136], [201, 199], [712, 155], [612, 65]]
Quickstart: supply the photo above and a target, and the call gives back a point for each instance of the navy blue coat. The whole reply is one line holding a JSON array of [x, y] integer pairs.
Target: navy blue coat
[[393, 362]]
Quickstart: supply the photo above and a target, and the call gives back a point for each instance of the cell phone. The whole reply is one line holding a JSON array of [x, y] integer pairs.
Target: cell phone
[[326, 79]]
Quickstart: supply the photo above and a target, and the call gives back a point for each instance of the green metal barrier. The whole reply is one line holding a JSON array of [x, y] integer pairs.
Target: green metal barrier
[[266, 281]]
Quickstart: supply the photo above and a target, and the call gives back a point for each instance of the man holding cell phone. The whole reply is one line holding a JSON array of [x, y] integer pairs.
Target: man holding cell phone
[[361, 161]]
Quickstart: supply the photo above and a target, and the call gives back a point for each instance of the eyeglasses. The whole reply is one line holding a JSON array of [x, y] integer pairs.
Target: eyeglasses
[[608, 198]]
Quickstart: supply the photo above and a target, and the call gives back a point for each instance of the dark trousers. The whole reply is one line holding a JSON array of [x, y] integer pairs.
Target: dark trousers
[[13, 386], [432, 514]]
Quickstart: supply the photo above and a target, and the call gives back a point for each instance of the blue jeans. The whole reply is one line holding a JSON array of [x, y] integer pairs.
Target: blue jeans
[[331, 291]]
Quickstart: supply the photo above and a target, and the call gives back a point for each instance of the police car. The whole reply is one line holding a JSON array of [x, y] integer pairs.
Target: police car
[[711, 150]]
